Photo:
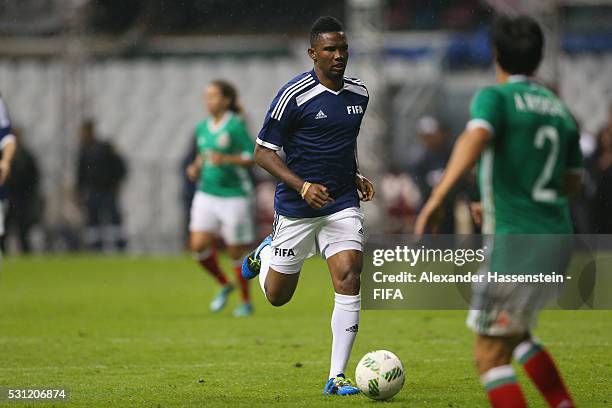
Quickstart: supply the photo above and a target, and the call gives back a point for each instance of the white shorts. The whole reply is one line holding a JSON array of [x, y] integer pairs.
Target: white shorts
[[229, 217], [512, 308], [505, 309], [296, 239]]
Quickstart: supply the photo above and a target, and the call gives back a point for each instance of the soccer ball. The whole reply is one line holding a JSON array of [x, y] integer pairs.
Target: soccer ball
[[380, 374]]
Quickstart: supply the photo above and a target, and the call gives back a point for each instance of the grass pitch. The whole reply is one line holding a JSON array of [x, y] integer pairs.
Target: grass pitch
[[137, 332]]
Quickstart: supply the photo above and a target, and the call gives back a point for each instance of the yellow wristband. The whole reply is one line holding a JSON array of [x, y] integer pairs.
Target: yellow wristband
[[305, 188]]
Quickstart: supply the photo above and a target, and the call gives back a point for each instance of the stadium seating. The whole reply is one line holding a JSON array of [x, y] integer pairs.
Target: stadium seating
[[148, 108], [586, 87]]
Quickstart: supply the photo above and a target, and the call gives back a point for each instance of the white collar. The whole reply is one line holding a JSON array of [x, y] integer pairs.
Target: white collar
[[213, 128], [517, 78], [331, 90]]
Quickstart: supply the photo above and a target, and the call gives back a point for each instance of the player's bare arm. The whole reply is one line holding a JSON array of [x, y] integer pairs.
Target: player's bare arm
[[8, 152], [466, 152], [316, 195], [218, 158], [364, 186], [476, 212], [193, 169]]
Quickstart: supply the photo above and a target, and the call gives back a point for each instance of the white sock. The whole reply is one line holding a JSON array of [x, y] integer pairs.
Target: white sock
[[265, 255], [344, 325]]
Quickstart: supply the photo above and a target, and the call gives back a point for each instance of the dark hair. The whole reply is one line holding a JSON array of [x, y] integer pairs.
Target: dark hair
[[228, 91], [88, 123], [519, 44], [324, 24]]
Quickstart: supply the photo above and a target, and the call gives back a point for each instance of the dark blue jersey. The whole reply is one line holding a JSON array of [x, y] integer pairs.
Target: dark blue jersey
[[317, 128], [5, 136]]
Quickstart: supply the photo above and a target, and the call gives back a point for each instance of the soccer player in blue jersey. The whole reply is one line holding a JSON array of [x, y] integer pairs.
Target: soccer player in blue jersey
[[8, 145], [315, 118]]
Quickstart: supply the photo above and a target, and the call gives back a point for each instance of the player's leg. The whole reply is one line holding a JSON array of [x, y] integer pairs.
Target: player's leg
[[205, 253], [341, 243], [554, 254], [93, 230], [236, 253], [116, 223], [498, 332], [493, 355], [542, 370], [279, 287], [503, 329], [203, 225], [345, 268], [279, 258], [238, 232], [499, 316]]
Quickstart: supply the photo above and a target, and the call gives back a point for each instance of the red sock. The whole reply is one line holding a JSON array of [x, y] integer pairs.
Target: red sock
[[542, 370], [244, 284], [502, 389], [208, 260]]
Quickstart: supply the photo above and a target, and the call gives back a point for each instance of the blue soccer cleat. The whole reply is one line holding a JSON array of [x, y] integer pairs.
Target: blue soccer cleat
[[340, 385], [219, 301], [252, 263]]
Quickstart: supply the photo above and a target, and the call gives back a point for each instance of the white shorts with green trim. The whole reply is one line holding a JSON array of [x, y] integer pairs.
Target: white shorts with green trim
[[512, 308], [296, 239], [230, 217], [506, 309]]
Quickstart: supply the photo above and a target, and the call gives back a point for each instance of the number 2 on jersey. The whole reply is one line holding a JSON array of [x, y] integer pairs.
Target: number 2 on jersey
[[539, 192]]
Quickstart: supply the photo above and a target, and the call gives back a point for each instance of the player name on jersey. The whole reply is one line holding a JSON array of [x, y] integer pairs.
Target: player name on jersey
[[526, 102]]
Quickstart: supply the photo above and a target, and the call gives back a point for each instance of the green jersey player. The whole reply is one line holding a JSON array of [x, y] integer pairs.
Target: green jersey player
[[222, 205], [228, 137], [522, 172], [527, 144]]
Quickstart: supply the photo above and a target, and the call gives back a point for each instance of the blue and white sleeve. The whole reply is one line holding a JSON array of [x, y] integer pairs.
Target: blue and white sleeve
[[278, 122], [5, 126]]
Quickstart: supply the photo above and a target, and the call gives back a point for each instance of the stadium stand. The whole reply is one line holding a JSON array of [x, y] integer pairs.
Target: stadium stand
[[154, 139]]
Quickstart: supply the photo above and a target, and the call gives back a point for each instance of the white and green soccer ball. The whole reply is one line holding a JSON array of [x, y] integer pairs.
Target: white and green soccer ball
[[380, 374]]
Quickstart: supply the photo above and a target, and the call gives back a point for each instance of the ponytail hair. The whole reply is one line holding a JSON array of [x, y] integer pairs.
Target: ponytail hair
[[229, 91]]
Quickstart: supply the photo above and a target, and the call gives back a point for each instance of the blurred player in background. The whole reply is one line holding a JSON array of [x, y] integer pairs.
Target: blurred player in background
[[8, 146], [222, 205], [530, 161], [100, 172], [428, 169], [316, 118], [25, 203]]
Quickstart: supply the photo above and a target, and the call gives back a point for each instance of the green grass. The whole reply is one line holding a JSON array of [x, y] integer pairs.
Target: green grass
[[137, 332]]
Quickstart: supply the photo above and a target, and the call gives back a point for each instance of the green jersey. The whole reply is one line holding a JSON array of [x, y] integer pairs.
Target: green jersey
[[229, 136], [535, 143]]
